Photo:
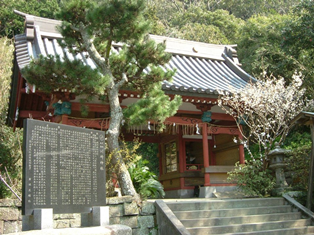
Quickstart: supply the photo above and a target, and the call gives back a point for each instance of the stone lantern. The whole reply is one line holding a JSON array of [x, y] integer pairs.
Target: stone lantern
[[277, 164]]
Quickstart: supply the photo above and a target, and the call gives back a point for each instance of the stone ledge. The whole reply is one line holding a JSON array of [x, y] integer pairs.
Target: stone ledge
[[118, 200], [9, 213], [107, 230], [10, 203]]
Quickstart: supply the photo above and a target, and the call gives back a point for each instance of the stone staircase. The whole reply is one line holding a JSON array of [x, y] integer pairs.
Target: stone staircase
[[240, 216]]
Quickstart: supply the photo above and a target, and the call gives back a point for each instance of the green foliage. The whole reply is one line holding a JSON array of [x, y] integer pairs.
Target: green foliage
[[111, 21], [10, 142], [298, 40], [6, 57], [298, 166], [145, 181], [245, 9], [10, 160], [51, 73], [298, 136], [154, 105], [211, 27], [298, 163], [193, 21], [298, 33], [252, 179], [149, 152], [12, 24], [139, 158], [133, 59], [260, 47], [299, 143]]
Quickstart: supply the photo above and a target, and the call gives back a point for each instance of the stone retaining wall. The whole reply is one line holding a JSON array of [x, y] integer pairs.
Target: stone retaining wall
[[123, 210], [10, 216]]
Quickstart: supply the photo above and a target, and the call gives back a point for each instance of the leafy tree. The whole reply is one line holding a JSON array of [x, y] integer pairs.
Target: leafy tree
[[298, 163], [92, 27], [259, 47], [11, 24], [299, 143], [192, 20], [212, 27], [10, 142], [245, 9], [298, 40]]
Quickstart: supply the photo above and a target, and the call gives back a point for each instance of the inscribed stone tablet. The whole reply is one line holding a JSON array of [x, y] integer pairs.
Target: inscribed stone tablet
[[63, 168]]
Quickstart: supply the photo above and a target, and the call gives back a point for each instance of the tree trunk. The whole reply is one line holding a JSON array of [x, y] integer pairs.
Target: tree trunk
[[113, 133]]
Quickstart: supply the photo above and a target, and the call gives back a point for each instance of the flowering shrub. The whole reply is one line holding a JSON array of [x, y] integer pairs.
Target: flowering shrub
[[266, 108]]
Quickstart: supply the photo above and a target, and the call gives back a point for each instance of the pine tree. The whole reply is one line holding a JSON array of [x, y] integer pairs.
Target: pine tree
[[92, 27]]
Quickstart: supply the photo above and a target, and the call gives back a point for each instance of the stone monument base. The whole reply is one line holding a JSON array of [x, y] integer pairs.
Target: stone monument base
[[106, 230], [42, 219]]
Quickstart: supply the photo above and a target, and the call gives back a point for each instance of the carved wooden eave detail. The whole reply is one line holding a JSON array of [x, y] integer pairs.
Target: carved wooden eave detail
[[204, 107]]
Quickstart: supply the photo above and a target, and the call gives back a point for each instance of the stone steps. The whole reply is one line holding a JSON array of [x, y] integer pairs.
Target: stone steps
[[287, 231], [201, 222], [249, 227], [240, 216], [224, 204], [231, 212]]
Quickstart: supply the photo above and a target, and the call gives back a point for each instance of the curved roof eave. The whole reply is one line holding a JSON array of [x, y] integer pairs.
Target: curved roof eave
[[202, 69]]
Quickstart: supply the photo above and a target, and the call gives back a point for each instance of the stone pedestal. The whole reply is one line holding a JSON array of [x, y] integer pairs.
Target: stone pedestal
[[99, 216], [277, 164], [39, 220]]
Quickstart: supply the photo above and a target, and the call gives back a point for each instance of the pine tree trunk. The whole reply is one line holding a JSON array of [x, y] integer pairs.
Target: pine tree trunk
[[113, 133]]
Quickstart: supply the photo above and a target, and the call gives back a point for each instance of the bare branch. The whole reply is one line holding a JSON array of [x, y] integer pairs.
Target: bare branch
[[6, 184]]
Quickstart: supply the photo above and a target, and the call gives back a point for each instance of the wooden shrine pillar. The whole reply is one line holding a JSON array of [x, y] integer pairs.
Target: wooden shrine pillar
[[311, 171], [241, 151], [18, 101], [205, 154], [160, 160], [182, 158], [65, 119]]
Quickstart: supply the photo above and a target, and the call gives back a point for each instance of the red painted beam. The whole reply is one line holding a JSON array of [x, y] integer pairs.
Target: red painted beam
[[101, 124], [102, 108], [184, 120], [32, 114], [222, 116]]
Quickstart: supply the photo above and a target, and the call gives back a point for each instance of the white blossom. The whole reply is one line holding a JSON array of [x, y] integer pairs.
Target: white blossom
[[266, 107]]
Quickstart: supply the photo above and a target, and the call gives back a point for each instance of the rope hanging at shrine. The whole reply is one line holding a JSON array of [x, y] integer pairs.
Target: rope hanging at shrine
[[167, 127], [103, 123]]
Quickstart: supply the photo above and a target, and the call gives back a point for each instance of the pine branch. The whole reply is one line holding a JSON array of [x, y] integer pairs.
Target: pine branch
[[123, 81], [92, 51]]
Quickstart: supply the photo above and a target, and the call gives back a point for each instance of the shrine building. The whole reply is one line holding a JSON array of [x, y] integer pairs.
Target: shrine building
[[197, 147]]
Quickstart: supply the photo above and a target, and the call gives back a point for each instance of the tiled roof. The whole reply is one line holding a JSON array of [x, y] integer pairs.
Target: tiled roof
[[201, 68]]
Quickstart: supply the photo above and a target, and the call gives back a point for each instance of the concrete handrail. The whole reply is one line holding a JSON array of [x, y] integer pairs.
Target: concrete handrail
[[167, 222], [302, 208]]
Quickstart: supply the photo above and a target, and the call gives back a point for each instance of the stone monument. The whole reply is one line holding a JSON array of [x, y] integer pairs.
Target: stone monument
[[63, 172]]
